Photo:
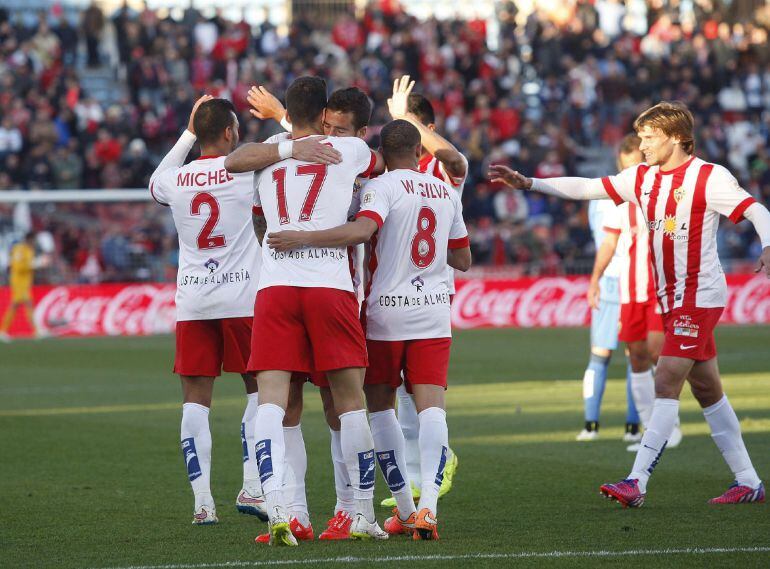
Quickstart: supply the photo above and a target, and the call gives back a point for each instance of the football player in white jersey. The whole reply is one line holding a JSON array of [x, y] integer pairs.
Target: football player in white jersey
[[307, 311], [641, 325], [416, 227], [219, 262], [347, 114], [216, 284], [442, 160], [682, 198]]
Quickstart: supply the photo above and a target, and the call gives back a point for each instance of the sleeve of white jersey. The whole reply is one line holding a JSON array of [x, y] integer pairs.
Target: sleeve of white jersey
[[365, 158], [611, 217], [159, 190], [257, 205], [175, 158], [621, 186], [458, 233], [725, 195], [376, 201]]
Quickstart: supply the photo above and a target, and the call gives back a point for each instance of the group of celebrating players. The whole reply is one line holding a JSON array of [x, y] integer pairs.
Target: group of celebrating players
[[274, 284], [244, 260]]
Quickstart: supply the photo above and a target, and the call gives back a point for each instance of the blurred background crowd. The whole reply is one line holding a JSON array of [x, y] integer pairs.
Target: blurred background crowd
[[93, 100]]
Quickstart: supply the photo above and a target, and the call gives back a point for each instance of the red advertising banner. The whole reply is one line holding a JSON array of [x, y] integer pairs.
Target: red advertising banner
[[142, 309]]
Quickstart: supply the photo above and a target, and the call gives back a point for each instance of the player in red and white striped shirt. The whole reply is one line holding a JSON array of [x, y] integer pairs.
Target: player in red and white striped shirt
[[641, 325], [681, 198]]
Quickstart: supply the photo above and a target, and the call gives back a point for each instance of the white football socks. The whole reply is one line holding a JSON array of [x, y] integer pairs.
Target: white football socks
[[726, 432], [345, 500], [643, 391], [358, 450], [250, 467], [434, 445], [196, 448], [389, 446], [662, 421], [270, 451], [294, 476], [410, 426]]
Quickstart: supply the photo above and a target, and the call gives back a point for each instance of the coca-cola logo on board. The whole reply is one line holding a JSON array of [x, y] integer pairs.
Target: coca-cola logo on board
[[108, 310]]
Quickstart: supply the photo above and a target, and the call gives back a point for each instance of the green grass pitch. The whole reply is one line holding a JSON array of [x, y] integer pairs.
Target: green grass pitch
[[91, 475]]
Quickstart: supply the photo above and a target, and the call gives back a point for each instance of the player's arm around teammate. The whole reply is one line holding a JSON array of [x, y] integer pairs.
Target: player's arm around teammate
[[682, 199], [400, 207]]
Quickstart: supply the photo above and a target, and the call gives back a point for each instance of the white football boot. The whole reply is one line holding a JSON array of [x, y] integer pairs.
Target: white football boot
[[362, 529], [248, 503], [205, 515], [587, 436]]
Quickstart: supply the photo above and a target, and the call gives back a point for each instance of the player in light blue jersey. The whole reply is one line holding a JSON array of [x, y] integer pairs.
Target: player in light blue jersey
[[605, 315]]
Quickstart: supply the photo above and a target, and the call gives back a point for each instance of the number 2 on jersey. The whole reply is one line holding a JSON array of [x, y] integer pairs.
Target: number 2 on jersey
[[424, 241], [318, 172], [205, 239]]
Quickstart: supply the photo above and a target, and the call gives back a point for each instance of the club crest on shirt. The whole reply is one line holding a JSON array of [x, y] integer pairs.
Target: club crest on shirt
[[212, 265], [679, 194]]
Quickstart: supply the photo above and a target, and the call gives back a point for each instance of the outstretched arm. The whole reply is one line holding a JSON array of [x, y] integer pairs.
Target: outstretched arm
[[352, 233], [568, 188], [437, 145], [758, 215]]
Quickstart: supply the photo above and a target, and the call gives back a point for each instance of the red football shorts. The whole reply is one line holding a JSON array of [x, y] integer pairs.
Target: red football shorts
[[689, 333], [637, 320], [422, 361], [206, 347], [306, 329]]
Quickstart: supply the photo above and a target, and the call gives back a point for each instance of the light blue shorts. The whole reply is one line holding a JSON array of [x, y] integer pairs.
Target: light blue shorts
[[604, 320]]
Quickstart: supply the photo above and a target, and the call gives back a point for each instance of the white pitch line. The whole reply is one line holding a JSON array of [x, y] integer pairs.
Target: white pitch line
[[519, 555]]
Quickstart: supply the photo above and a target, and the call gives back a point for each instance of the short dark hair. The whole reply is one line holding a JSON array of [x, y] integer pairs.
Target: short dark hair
[[352, 100], [399, 138], [305, 100], [421, 107], [211, 120]]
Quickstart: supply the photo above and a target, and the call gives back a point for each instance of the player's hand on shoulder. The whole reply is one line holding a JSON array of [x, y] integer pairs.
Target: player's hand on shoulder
[[315, 150], [265, 104], [498, 173], [763, 264], [286, 240], [398, 104], [197, 104]]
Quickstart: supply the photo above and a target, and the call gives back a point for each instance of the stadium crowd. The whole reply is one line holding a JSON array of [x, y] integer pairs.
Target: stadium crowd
[[552, 97]]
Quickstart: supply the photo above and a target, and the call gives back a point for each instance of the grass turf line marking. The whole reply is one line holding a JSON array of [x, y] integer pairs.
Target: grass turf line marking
[[520, 555]]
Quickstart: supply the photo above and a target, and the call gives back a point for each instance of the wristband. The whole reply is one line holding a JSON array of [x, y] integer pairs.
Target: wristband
[[285, 124], [285, 149]]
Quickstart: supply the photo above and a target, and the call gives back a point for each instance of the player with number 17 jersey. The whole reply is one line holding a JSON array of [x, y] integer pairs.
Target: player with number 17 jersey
[[318, 329], [296, 195]]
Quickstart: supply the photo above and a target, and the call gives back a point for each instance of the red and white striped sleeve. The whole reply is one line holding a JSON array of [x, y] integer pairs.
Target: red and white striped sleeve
[[621, 186], [725, 195]]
